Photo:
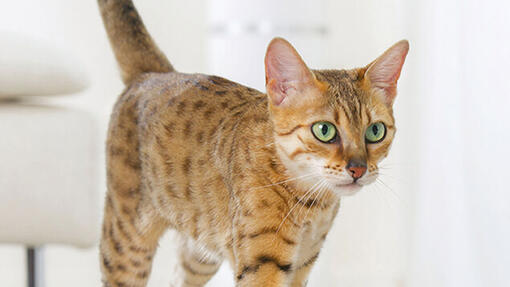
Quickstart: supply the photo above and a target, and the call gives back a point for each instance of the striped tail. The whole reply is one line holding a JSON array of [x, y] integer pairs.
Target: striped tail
[[135, 50]]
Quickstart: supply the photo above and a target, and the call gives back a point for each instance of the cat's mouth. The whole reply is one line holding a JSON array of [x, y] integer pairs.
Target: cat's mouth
[[347, 188]]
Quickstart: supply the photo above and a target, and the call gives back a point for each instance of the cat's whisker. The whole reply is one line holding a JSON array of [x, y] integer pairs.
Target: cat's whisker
[[309, 194], [295, 204], [380, 194], [312, 192], [384, 167], [324, 191], [320, 191], [316, 191], [327, 187], [287, 180], [388, 188], [394, 177]]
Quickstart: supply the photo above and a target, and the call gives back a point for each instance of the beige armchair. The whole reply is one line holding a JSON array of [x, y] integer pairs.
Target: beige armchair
[[48, 167]]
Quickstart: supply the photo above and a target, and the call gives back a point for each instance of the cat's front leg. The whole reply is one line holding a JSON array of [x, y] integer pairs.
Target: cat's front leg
[[263, 260], [265, 244], [302, 271]]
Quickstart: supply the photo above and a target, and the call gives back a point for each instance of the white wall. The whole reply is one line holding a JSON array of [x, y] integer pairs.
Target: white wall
[[461, 231]]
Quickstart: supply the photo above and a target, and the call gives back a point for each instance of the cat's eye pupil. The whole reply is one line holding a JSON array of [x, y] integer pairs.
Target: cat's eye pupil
[[324, 129], [375, 129]]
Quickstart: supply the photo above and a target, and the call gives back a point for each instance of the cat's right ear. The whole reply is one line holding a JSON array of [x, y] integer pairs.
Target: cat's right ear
[[287, 75]]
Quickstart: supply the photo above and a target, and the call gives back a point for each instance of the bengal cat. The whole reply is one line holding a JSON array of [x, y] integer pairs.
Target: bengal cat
[[249, 177]]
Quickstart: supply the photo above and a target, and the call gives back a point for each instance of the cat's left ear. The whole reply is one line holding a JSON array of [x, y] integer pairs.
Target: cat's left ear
[[288, 79], [383, 73]]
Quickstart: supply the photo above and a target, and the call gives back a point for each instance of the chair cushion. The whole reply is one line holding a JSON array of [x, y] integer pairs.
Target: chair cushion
[[32, 67], [48, 176]]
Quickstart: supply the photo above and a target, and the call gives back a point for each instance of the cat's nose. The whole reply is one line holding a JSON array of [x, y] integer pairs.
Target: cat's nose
[[356, 168]]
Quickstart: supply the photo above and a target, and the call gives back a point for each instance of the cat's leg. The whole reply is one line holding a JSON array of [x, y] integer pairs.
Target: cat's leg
[[196, 266], [264, 247], [264, 260], [311, 247], [301, 271], [128, 243]]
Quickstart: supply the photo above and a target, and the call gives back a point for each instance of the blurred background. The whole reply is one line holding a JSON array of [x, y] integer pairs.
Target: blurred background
[[439, 216]]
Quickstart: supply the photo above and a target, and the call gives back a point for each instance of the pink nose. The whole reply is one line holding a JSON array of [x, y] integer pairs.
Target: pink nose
[[357, 172], [357, 168]]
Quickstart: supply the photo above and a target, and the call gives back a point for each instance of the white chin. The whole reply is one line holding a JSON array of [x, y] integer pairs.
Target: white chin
[[347, 189]]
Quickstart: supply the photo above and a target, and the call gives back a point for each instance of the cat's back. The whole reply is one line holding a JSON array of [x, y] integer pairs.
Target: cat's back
[[185, 94], [190, 107], [179, 123], [170, 98]]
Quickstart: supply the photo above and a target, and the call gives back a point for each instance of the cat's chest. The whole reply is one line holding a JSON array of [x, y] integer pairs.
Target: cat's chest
[[313, 230], [314, 233]]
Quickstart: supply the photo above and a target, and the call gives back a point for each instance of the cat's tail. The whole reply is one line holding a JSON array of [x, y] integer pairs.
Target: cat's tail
[[134, 48]]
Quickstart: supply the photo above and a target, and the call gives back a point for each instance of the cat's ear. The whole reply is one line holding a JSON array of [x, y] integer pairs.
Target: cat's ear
[[383, 73], [287, 75]]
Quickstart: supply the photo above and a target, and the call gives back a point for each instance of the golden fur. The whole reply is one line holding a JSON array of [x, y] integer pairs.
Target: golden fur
[[232, 169]]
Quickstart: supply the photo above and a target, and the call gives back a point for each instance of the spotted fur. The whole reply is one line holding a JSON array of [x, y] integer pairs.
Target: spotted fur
[[227, 166]]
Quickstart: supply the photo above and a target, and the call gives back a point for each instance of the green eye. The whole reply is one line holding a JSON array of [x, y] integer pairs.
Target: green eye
[[375, 132], [324, 131]]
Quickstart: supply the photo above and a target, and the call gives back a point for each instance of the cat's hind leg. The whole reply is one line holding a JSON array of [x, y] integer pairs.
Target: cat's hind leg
[[196, 266], [128, 243]]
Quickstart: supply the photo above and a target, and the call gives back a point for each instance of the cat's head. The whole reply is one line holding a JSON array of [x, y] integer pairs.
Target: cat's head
[[332, 127]]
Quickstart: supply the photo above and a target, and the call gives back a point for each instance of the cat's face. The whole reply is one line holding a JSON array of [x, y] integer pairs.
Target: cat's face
[[332, 127]]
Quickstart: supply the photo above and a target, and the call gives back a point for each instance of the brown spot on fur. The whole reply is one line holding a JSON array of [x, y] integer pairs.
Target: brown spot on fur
[[264, 203], [133, 163], [115, 151], [238, 106], [138, 249], [169, 127], [200, 86], [219, 81], [188, 191], [239, 95], [200, 137], [142, 275], [170, 102], [271, 230], [188, 126], [209, 112], [186, 165], [117, 246], [261, 260], [198, 105], [181, 108], [107, 264], [120, 227]]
